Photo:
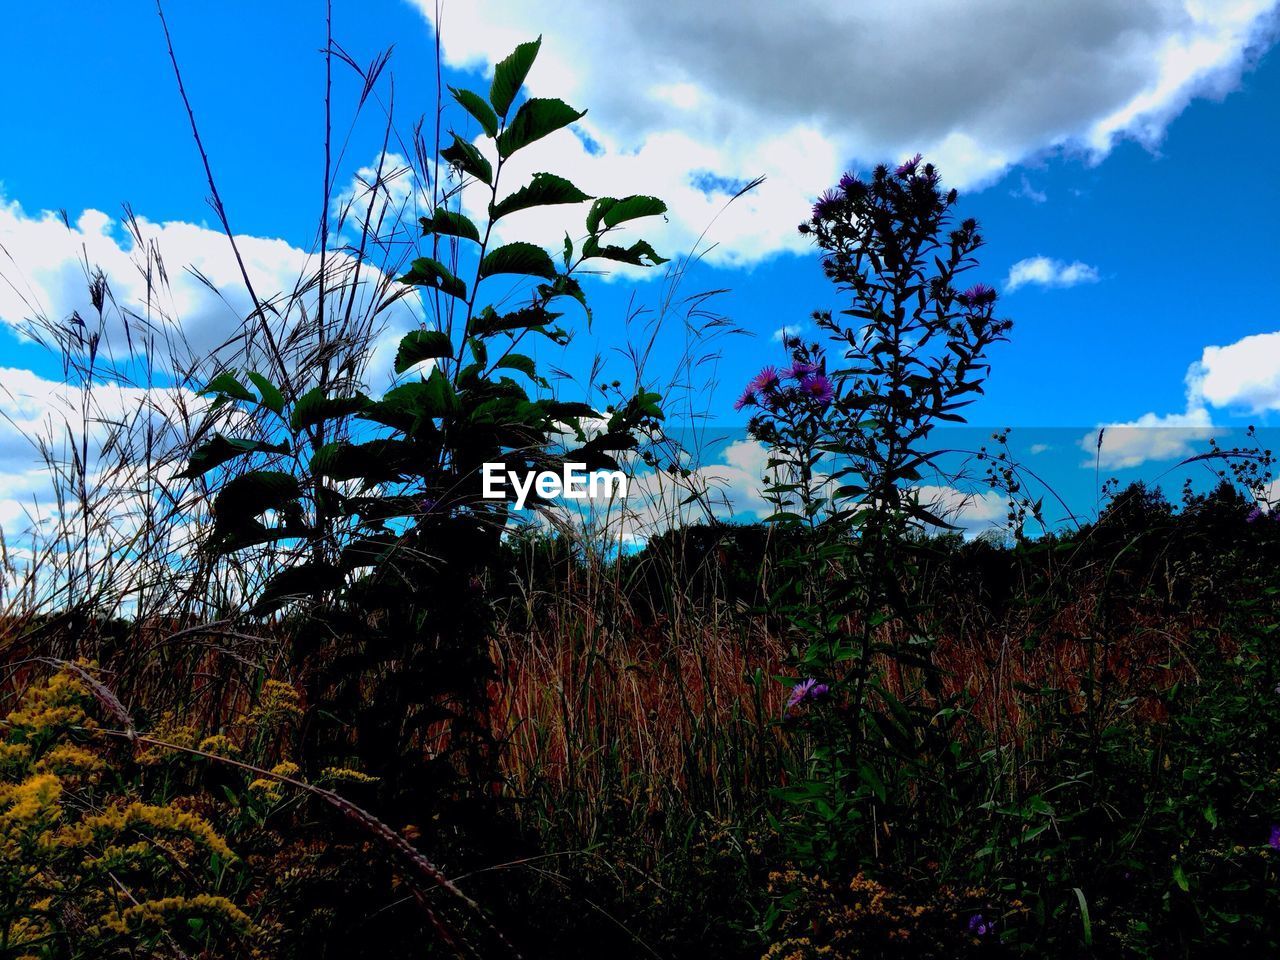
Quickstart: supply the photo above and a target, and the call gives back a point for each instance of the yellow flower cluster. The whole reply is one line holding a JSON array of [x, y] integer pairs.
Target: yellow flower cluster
[[65, 844]]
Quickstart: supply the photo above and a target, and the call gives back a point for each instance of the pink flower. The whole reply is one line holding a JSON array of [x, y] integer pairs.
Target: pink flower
[[908, 168], [765, 381], [818, 387], [979, 295], [806, 691], [800, 370], [748, 399]]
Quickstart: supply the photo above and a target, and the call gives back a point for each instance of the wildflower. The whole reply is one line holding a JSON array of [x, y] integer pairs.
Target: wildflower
[[765, 381], [850, 183], [979, 295], [979, 926], [1274, 842], [909, 168], [826, 205], [806, 691], [818, 387], [1254, 515], [748, 399]]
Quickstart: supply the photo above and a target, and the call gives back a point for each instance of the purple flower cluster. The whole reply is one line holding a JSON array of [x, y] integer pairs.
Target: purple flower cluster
[[827, 205], [979, 926], [979, 295], [1256, 513], [810, 382], [908, 169], [806, 691], [1274, 842]]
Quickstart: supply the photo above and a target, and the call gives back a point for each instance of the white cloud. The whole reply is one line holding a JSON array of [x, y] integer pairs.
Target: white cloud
[[1039, 448], [1244, 374], [799, 91], [1027, 191], [790, 330], [1150, 437], [1048, 272], [177, 282], [973, 513]]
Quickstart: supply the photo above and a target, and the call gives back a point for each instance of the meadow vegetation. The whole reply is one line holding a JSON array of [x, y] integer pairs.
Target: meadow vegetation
[[281, 683]]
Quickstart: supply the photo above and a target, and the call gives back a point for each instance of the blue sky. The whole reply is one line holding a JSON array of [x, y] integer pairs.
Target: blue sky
[[1128, 144]]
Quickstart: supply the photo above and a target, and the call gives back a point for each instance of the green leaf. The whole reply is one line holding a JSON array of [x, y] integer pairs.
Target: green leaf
[[631, 208], [304, 580], [490, 322], [518, 361], [270, 397], [420, 345], [377, 461], [474, 104], [543, 190], [635, 254], [509, 75], [448, 223], [520, 258], [536, 118], [220, 449], [314, 407], [255, 493], [465, 157], [425, 272], [565, 286], [228, 385]]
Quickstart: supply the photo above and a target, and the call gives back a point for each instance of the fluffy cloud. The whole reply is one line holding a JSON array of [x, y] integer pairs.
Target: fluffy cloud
[[796, 92], [1048, 272], [1244, 374], [175, 281], [1149, 437]]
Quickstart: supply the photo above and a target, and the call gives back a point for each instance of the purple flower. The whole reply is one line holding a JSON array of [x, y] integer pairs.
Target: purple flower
[[818, 387], [909, 168], [800, 370], [849, 182], [979, 926], [766, 381], [1274, 842], [1254, 515], [826, 205], [748, 399], [806, 691], [979, 295]]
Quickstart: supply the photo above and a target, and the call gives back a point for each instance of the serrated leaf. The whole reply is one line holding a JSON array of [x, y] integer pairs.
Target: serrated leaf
[[565, 286], [519, 258], [636, 254], [228, 385], [467, 158], [219, 450], [449, 223], [475, 105], [536, 118], [632, 208], [490, 322], [419, 345], [269, 396], [544, 189], [255, 493], [518, 361], [314, 407], [425, 272], [509, 75]]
